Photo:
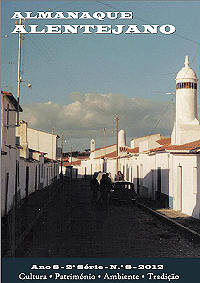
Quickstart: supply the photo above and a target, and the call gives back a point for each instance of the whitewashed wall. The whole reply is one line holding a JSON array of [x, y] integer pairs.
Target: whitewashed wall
[[50, 173], [23, 164], [188, 200], [181, 192], [8, 166], [111, 167], [163, 162], [146, 142], [88, 167], [8, 161], [102, 151], [42, 141]]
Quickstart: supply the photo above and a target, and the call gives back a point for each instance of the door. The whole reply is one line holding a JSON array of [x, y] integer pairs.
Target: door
[[6, 199], [179, 188], [138, 180], [27, 180], [152, 185], [127, 173], [16, 183], [141, 175], [36, 178], [158, 183], [131, 174]]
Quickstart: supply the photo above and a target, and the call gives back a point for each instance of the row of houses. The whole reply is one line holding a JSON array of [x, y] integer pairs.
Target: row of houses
[[162, 168], [28, 156]]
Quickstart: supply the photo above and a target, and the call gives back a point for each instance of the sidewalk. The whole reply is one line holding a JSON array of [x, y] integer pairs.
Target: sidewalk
[[19, 221], [183, 219]]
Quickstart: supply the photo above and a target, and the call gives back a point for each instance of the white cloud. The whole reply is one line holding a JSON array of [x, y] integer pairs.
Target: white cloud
[[86, 116]]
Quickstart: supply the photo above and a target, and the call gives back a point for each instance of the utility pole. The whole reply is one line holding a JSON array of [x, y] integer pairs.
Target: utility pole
[[104, 135], [52, 131], [13, 225], [2, 103], [19, 70], [62, 154], [71, 152], [116, 133]]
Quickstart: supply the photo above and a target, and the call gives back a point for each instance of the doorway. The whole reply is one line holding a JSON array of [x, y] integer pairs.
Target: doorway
[[27, 180], [179, 188], [158, 183]]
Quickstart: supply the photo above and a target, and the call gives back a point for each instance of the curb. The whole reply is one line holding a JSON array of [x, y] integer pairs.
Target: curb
[[185, 229]]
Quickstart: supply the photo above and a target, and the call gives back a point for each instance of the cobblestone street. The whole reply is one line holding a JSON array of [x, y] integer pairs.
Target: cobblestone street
[[72, 226]]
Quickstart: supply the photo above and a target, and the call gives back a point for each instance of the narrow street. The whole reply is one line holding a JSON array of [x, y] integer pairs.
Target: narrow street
[[72, 226]]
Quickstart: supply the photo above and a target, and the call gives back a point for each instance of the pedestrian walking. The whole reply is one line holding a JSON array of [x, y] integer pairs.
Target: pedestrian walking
[[105, 188], [94, 185]]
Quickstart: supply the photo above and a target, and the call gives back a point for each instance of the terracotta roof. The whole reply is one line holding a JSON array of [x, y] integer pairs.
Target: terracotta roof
[[103, 147], [191, 146], [133, 150], [161, 148], [108, 155], [195, 145], [164, 141], [129, 149], [123, 148], [12, 100]]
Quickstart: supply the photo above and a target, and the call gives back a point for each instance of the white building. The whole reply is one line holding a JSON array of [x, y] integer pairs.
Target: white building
[[45, 167], [162, 168], [38, 140], [186, 126], [9, 151], [23, 169]]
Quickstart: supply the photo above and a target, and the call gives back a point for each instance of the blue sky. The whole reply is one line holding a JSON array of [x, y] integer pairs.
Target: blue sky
[[134, 66]]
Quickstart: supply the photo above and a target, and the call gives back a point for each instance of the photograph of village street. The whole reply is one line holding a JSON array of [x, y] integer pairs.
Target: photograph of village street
[[100, 131]]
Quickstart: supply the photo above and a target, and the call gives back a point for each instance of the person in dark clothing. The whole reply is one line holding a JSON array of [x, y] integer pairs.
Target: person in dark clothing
[[94, 185], [119, 176], [105, 188]]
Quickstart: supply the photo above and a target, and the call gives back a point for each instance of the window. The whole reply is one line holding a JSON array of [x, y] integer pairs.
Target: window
[[18, 172], [195, 180], [141, 174], [35, 178], [39, 174], [27, 181], [186, 85], [8, 115], [17, 141], [7, 186]]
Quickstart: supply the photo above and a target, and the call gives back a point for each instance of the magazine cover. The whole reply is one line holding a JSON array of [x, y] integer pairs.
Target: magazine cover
[[100, 141]]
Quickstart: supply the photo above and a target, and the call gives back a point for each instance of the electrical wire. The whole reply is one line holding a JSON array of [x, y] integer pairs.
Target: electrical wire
[[146, 22], [162, 113]]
